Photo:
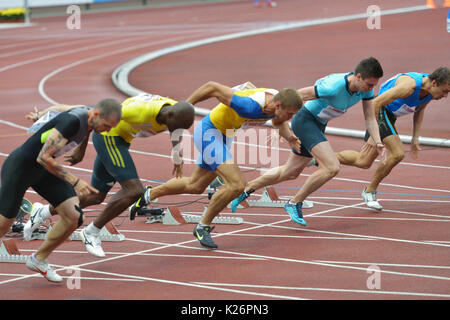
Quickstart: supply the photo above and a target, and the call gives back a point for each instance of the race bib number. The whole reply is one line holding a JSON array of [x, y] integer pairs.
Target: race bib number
[[404, 109], [330, 113]]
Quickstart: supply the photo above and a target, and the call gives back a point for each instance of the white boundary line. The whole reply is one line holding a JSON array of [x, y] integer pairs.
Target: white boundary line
[[331, 290]]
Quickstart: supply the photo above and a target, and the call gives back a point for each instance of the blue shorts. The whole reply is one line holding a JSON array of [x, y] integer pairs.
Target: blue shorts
[[213, 146], [309, 130]]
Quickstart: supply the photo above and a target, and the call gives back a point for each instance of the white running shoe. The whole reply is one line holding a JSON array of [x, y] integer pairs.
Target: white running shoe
[[34, 222], [370, 198], [43, 268], [93, 243]]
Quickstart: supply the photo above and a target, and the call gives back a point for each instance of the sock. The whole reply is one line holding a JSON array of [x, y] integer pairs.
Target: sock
[[92, 229], [201, 225]]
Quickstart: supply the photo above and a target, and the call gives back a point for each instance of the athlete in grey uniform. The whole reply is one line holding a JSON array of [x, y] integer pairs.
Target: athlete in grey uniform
[[34, 165]]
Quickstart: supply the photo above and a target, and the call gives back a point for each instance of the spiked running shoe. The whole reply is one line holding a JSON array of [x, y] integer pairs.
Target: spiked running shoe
[[203, 234], [139, 205], [370, 198], [244, 195], [34, 222], [43, 268], [295, 212], [93, 243]]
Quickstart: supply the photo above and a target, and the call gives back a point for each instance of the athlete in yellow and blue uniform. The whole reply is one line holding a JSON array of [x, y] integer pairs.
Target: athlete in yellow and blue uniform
[[213, 137]]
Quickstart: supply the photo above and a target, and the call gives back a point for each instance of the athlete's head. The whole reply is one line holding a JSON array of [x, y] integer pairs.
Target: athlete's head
[[180, 116], [287, 103], [105, 115], [367, 73], [440, 83]]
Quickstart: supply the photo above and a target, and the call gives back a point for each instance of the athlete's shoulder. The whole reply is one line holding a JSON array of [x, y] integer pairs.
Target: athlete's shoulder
[[331, 84]]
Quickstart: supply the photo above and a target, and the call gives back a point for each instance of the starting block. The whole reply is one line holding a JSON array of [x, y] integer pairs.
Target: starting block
[[107, 233], [10, 253], [173, 216], [269, 199]]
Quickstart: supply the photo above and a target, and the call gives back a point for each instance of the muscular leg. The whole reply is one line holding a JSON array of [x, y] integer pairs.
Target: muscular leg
[[66, 225], [396, 154], [195, 184], [328, 168], [5, 225], [362, 159], [131, 191], [289, 171], [85, 201], [234, 186]]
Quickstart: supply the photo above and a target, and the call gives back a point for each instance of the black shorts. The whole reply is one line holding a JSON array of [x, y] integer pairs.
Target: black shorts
[[20, 172], [113, 162], [386, 123]]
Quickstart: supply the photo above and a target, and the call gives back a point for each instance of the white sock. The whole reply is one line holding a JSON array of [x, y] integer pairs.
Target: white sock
[[92, 229]]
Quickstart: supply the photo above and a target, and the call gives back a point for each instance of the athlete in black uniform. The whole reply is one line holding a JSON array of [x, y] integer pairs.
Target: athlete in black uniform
[[34, 165]]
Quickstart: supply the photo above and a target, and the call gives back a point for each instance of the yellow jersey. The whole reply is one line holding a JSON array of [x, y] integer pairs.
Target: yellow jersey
[[139, 117], [226, 118]]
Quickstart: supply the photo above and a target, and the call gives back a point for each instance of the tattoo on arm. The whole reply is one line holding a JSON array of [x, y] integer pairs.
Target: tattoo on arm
[[54, 142]]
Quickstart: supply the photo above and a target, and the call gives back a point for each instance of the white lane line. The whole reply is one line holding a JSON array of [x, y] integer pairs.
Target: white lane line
[[330, 290]]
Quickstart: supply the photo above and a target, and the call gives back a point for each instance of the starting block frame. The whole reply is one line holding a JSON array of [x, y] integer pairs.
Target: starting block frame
[[10, 253], [173, 216], [269, 199], [108, 233]]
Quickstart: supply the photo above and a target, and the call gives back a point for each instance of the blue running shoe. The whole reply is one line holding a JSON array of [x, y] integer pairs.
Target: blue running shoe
[[295, 212], [244, 195]]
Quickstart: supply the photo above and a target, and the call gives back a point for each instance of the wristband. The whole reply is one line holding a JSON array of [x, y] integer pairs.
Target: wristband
[[76, 183]]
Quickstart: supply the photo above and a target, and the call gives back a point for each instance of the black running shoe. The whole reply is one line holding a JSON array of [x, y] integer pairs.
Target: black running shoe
[[139, 205], [203, 234]]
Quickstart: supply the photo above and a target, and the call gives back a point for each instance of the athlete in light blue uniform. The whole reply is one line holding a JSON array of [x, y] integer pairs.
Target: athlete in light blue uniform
[[329, 98], [405, 93]]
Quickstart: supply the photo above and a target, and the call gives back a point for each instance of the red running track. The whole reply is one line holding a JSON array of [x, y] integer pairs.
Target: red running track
[[268, 256]]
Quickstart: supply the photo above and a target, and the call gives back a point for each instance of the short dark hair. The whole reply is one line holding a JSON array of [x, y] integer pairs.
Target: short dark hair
[[108, 107], [369, 68], [441, 75]]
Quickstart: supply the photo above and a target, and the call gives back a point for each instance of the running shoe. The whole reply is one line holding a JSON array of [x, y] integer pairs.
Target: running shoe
[[203, 234], [244, 195], [93, 243], [43, 268], [370, 198], [295, 212], [139, 205], [34, 222]]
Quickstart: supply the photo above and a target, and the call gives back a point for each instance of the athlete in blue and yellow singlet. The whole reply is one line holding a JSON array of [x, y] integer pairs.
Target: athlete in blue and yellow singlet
[[213, 137]]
